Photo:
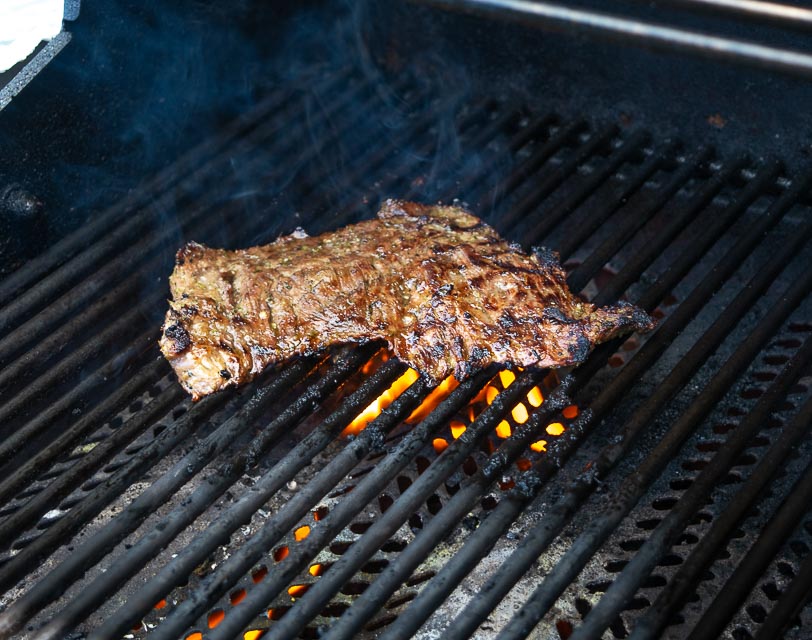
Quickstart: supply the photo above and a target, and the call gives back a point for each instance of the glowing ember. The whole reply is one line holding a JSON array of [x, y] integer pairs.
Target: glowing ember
[[503, 429], [301, 533], [238, 596], [316, 570], [253, 634], [519, 413], [457, 428], [259, 575], [570, 412], [507, 378], [216, 617], [297, 590], [280, 554], [380, 357], [555, 428], [161, 604], [381, 402], [534, 397], [440, 393]]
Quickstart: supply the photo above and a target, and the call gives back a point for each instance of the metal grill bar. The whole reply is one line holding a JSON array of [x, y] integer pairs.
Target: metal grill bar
[[787, 15], [679, 586], [13, 617], [771, 539], [630, 30], [539, 538], [219, 481], [15, 439], [368, 603], [74, 362], [546, 223], [595, 533], [61, 487], [351, 210], [709, 285], [537, 158], [577, 237], [581, 276], [363, 548], [48, 348], [480, 140], [367, 489], [241, 512], [553, 177], [789, 603], [664, 535], [699, 245], [540, 155], [504, 514], [244, 558]]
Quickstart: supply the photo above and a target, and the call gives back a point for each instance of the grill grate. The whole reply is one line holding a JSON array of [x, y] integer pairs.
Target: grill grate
[[671, 493]]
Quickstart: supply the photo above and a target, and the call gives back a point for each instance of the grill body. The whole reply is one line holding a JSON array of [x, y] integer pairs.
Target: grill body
[[670, 497]]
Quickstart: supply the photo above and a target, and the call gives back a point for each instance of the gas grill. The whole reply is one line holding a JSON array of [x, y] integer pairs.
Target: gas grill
[[661, 489]]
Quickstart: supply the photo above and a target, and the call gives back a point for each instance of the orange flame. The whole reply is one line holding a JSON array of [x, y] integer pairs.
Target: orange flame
[[381, 402], [216, 617], [570, 412], [540, 446], [519, 414], [457, 428], [297, 590], [503, 429], [440, 393], [534, 397]]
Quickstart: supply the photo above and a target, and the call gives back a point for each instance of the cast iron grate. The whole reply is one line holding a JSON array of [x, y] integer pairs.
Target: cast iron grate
[[128, 511]]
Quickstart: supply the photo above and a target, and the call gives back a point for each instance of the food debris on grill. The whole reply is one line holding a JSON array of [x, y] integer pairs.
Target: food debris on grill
[[441, 287]]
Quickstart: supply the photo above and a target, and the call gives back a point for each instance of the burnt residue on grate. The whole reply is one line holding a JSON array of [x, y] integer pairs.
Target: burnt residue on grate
[[340, 496]]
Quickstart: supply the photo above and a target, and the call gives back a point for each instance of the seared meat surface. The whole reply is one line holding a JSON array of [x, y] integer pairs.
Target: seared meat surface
[[437, 284]]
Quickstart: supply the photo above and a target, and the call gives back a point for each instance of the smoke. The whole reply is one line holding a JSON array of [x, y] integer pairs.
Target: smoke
[[143, 82]]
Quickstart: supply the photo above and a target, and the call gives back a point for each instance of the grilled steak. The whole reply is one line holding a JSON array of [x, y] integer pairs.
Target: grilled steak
[[437, 284]]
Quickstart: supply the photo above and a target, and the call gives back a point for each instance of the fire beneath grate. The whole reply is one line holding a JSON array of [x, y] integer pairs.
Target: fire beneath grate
[[661, 489]]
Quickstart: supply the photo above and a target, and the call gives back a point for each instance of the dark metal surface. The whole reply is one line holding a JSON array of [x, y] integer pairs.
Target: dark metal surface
[[650, 34], [126, 510]]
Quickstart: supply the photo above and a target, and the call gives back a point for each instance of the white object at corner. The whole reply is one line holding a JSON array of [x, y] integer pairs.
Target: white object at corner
[[24, 24]]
